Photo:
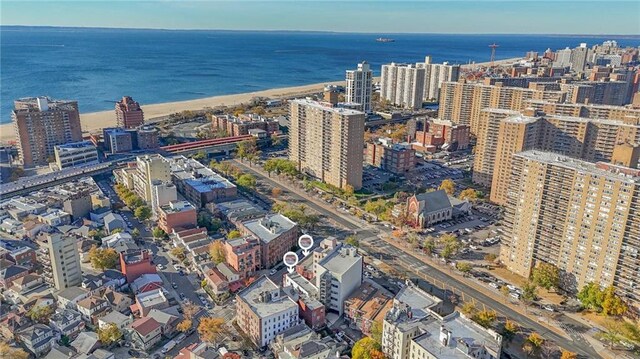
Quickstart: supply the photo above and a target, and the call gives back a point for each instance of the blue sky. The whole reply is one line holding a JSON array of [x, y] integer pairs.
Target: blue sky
[[455, 16]]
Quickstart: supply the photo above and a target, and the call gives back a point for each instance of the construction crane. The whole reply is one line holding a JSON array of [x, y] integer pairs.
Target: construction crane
[[493, 47]]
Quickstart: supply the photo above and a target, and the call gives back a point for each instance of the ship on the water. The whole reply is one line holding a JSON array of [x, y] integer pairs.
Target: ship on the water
[[385, 39]]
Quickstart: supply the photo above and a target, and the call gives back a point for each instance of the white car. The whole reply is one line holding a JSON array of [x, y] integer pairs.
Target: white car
[[159, 266], [494, 285], [273, 271], [512, 287], [514, 295]]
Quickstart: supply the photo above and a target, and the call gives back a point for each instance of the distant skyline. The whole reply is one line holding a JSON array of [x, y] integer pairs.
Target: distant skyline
[[455, 16]]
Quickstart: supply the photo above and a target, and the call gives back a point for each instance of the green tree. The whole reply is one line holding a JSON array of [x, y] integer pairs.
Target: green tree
[[247, 181], [613, 332], [529, 292], [376, 332], [352, 241], [546, 275], [158, 233], [464, 267], [135, 233], [448, 186], [377, 207], [103, 258], [270, 166], [428, 245], [365, 348], [217, 252], [234, 234], [591, 296], [612, 304], [246, 149], [201, 155], [40, 313], [109, 334], [178, 252], [142, 213], [451, 246]]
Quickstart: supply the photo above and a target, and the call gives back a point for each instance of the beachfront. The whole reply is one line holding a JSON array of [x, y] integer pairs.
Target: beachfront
[[94, 121]]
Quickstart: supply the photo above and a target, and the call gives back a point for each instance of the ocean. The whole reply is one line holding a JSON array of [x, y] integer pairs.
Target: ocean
[[98, 66]]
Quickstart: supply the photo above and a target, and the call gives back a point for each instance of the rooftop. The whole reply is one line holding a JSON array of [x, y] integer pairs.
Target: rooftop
[[145, 325], [465, 336], [610, 171], [151, 298], [76, 145], [265, 298], [411, 304], [341, 260], [269, 227], [323, 107], [177, 206]]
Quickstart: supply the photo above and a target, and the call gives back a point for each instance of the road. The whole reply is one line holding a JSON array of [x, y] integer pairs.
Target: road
[[373, 243]]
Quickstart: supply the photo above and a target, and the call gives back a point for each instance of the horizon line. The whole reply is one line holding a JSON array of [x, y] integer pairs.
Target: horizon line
[[635, 36]]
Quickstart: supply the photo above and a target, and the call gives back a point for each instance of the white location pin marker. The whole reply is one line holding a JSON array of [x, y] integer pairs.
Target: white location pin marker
[[290, 259], [305, 242]]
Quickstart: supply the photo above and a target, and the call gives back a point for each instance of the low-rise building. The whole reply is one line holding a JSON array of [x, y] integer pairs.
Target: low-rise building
[[146, 283], [167, 320], [216, 281], [118, 140], [177, 215], [37, 339], [396, 158], [277, 235], [113, 221], [114, 317], [455, 336], [263, 311], [303, 292], [146, 301], [145, 333], [135, 263], [69, 297], [92, 308], [427, 209], [242, 124], [244, 255], [67, 322], [402, 323], [199, 184], [366, 306], [10, 274], [75, 154]]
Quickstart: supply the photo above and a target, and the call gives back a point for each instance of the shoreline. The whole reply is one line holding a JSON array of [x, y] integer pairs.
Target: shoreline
[[95, 121]]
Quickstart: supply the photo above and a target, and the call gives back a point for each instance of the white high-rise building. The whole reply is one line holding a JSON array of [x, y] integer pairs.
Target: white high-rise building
[[563, 58], [358, 88], [435, 75], [402, 85], [65, 260]]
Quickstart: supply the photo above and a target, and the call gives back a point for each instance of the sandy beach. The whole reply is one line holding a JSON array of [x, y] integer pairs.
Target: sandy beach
[[94, 121]]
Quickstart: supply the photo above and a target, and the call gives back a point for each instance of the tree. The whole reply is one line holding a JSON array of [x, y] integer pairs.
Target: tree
[[116, 230], [533, 344], [509, 330], [376, 207], [210, 329], [613, 332], [234, 234], [103, 258], [505, 292], [247, 181], [376, 332], [259, 110], [591, 296], [486, 318], [276, 192], [7, 351], [247, 148], [352, 241], [464, 267], [546, 275], [185, 325], [135, 233], [158, 233], [270, 165], [469, 193], [451, 246], [529, 292], [428, 245], [201, 155], [178, 252], [468, 309], [40, 313], [348, 190], [611, 303], [568, 355], [217, 252], [142, 213], [275, 140], [448, 186], [490, 257], [109, 334], [365, 348]]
